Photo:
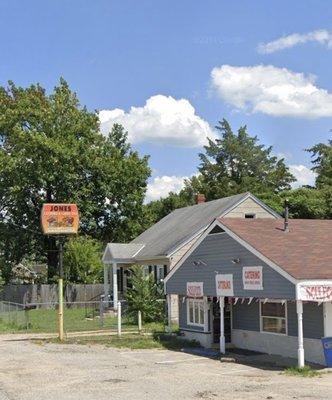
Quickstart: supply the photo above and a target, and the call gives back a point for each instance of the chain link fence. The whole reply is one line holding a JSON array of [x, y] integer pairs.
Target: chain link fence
[[89, 316]]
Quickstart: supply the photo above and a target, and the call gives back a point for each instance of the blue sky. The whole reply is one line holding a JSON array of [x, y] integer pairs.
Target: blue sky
[[158, 57]]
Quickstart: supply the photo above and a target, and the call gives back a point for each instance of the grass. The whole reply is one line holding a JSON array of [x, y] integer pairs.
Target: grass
[[130, 341], [75, 320], [305, 372]]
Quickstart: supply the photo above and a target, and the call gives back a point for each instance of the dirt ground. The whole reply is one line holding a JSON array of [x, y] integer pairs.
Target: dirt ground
[[76, 372]]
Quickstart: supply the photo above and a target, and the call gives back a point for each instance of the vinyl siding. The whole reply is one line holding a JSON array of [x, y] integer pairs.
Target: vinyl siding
[[247, 207], [182, 251], [313, 320], [246, 316], [217, 251]]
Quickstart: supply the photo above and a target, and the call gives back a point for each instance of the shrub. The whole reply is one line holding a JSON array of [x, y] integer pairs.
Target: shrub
[[145, 295]]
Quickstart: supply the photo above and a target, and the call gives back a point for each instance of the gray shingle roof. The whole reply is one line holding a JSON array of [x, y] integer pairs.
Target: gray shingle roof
[[182, 224], [123, 251]]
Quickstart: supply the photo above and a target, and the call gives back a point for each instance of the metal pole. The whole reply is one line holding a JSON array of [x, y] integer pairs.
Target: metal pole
[[139, 322], [222, 325], [119, 318], [60, 290]]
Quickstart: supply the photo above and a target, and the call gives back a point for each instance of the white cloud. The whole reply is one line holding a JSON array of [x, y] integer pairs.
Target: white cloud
[[162, 185], [272, 91], [162, 120], [321, 36], [303, 174]]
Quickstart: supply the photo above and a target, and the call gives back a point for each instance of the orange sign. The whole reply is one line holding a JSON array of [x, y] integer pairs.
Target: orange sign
[[59, 219]]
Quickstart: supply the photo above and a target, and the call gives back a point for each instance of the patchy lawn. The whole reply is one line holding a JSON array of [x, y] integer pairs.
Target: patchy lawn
[[129, 341], [75, 320], [305, 372]]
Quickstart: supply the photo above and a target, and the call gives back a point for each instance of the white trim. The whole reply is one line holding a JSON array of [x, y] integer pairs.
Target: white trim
[[256, 200], [192, 237], [266, 316], [274, 266], [194, 301], [267, 261], [110, 260], [247, 196], [189, 252]]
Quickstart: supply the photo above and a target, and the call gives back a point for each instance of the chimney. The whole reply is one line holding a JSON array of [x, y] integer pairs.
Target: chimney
[[286, 228], [200, 198]]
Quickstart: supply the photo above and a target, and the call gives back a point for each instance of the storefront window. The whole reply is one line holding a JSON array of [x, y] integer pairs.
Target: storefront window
[[273, 317], [195, 312]]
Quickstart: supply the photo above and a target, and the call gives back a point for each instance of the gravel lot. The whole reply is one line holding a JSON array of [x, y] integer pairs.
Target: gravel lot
[[53, 372]]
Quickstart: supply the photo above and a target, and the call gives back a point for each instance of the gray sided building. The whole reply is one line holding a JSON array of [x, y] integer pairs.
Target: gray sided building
[[252, 285]]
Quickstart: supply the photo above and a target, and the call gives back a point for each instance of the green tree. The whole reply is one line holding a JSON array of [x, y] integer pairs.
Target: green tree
[[51, 150], [305, 203], [145, 296], [82, 260], [322, 160], [236, 163]]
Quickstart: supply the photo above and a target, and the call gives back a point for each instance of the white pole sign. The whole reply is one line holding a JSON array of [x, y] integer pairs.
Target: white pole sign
[[252, 278], [224, 285], [319, 291], [195, 289]]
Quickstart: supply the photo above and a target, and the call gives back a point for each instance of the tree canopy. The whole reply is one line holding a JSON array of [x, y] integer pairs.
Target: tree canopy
[[51, 150], [236, 163]]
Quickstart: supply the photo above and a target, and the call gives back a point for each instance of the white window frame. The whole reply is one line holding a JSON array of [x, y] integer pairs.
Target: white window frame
[[196, 302], [266, 316]]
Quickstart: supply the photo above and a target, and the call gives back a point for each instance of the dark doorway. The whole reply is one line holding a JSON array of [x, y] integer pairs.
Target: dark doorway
[[227, 320]]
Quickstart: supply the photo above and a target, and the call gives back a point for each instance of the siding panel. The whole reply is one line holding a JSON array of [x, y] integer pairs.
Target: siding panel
[[246, 317], [313, 320], [218, 251]]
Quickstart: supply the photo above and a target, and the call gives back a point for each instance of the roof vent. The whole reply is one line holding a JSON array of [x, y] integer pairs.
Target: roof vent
[[200, 198]]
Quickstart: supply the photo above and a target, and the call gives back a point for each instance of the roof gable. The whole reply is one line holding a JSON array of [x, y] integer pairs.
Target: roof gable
[[304, 252], [182, 224]]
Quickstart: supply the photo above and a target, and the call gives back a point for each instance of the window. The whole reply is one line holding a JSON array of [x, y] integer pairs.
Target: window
[[273, 317], [195, 312], [250, 215]]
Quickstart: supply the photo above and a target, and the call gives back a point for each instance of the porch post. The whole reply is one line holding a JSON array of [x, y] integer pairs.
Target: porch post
[[300, 351], [169, 313], [206, 314], [222, 327], [106, 282], [115, 285]]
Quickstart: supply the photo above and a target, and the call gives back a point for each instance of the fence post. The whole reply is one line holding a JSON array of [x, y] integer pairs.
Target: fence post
[[169, 313], [101, 312], [119, 318], [139, 322]]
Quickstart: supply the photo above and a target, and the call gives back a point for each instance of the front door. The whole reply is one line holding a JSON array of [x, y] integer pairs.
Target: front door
[[227, 320]]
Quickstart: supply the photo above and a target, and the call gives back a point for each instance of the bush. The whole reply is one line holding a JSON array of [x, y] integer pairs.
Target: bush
[[145, 295]]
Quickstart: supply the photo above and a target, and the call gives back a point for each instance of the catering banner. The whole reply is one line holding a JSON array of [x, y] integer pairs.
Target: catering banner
[[224, 285], [319, 291], [252, 278], [195, 289]]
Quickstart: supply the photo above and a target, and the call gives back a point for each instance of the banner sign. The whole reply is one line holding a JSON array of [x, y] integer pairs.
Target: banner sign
[[59, 219], [319, 291], [252, 278], [224, 285], [195, 289]]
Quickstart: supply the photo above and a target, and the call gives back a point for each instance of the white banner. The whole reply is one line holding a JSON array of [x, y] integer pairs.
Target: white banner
[[224, 285], [319, 291], [252, 278], [195, 289]]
